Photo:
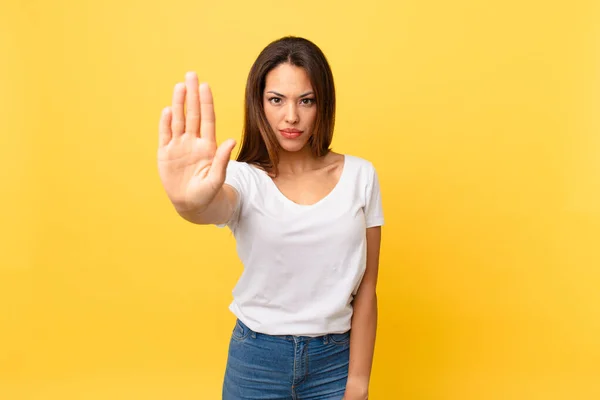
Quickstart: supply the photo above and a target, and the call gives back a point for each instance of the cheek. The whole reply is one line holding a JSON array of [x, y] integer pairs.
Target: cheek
[[310, 115], [271, 114]]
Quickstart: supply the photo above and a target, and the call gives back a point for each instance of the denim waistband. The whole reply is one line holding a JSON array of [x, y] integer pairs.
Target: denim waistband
[[296, 338]]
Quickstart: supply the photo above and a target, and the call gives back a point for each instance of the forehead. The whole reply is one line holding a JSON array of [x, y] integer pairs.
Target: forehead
[[288, 77]]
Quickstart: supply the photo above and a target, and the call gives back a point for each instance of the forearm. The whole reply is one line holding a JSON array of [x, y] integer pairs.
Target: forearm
[[362, 340], [219, 210]]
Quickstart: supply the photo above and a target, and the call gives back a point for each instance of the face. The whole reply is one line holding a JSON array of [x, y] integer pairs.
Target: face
[[289, 104]]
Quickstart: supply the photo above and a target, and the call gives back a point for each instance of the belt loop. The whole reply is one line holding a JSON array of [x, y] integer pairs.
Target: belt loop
[[325, 339]]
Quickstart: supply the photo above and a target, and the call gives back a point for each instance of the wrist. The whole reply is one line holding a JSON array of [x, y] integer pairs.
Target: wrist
[[184, 206], [358, 385], [185, 209]]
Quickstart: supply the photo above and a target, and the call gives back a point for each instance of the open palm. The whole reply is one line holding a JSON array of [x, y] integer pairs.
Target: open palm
[[191, 166]]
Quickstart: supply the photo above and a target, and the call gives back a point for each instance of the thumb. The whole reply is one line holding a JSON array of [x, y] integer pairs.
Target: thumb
[[220, 161]]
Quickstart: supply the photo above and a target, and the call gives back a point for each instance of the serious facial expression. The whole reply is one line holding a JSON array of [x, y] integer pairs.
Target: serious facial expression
[[289, 104]]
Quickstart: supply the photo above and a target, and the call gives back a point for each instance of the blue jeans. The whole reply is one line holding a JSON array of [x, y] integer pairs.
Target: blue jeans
[[285, 367]]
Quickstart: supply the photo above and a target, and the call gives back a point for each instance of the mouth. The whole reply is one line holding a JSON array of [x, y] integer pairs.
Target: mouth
[[290, 133]]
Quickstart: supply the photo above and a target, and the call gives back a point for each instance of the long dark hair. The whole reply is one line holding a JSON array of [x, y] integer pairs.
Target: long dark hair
[[259, 143]]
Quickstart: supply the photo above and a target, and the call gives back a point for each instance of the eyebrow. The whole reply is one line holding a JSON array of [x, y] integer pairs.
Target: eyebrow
[[281, 95]]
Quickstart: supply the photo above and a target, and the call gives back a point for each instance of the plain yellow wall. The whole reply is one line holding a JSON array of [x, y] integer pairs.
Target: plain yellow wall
[[482, 118]]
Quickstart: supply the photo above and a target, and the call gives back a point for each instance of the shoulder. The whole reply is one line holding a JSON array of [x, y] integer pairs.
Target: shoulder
[[243, 176], [364, 174], [237, 165], [242, 167], [359, 164]]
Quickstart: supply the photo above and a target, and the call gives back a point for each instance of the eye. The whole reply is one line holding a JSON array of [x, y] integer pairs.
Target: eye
[[308, 101], [275, 100]]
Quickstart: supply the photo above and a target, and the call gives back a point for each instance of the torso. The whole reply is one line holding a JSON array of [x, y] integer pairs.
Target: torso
[[302, 242]]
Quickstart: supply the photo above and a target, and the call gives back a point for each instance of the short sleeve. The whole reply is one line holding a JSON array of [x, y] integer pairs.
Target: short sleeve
[[235, 177], [373, 203]]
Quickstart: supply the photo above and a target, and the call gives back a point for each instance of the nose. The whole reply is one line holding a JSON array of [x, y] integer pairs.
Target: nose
[[291, 116]]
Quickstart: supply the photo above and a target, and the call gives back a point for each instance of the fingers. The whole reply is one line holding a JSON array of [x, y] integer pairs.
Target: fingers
[[177, 120], [220, 161], [192, 119], [207, 113], [199, 115], [164, 127]]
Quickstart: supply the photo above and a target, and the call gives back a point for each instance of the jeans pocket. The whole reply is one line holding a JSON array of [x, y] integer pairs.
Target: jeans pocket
[[340, 338], [240, 331]]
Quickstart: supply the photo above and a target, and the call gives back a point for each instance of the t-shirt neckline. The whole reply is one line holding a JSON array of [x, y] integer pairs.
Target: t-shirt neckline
[[320, 201]]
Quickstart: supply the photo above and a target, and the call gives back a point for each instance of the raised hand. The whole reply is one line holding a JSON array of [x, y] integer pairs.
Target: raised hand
[[191, 167]]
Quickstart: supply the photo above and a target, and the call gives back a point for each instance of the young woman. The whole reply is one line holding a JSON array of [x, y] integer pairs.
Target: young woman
[[307, 222]]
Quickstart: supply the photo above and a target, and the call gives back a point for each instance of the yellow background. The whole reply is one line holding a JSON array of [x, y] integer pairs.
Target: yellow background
[[482, 118]]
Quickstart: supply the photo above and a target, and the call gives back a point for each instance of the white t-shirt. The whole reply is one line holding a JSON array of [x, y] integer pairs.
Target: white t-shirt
[[303, 264]]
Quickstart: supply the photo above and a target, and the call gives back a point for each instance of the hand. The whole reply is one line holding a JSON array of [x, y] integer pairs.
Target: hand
[[356, 390], [355, 396], [191, 167]]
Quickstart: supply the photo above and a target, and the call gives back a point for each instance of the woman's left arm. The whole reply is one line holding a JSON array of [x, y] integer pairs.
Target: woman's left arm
[[364, 323]]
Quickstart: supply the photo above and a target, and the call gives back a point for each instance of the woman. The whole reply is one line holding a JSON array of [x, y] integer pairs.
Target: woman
[[307, 222]]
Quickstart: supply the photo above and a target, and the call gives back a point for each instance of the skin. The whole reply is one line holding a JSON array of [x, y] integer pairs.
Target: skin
[[192, 170]]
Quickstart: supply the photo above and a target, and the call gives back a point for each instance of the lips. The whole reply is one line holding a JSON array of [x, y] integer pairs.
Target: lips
[[290, 133]]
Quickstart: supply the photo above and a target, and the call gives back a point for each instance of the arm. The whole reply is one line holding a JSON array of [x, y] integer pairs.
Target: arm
[[219, 211], [364, 323]]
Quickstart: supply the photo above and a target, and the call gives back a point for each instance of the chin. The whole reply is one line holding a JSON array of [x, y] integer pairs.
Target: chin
[[292, 145]]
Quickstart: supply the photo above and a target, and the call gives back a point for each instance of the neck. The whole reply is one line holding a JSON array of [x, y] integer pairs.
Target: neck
[[296, 162]]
